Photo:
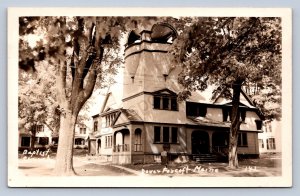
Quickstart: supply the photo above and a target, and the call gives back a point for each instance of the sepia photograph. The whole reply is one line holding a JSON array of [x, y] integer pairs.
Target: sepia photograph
[[149, 97]]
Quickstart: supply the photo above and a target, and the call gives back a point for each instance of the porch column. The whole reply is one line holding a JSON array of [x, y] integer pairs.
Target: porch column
[[210, 133], [113, 142], [97, 147], [131, 139]]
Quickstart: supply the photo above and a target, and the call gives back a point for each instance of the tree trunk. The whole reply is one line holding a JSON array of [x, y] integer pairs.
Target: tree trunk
[[64, 157], [33, 137], [235, 126]]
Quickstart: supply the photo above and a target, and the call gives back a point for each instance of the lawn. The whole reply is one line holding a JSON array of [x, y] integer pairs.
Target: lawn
[[266, 165], [261, 167]]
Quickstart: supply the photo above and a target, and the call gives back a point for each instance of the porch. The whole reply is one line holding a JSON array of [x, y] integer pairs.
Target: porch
[[209, 146], [127, 144]]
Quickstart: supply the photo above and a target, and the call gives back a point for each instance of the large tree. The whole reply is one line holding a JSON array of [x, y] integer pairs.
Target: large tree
[[230, 52], [83, 52]]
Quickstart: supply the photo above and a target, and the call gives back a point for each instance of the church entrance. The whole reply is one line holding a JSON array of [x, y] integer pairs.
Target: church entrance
[[200, 142]]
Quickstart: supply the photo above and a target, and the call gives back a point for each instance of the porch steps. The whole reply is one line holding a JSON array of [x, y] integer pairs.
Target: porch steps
[[201, 158]]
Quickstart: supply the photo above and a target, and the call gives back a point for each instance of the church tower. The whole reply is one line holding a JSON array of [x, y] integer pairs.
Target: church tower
[[148, 65]]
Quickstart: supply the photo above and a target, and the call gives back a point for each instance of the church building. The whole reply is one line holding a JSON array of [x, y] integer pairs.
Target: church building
[[147, 119]]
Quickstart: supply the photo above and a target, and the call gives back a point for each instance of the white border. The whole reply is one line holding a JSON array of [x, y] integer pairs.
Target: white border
[[15, 179]]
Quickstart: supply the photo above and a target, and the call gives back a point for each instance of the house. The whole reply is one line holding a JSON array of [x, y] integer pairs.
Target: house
[[81, 136], [270, 139], [45, 138], [101, 137], [149, 119], [42, 137]]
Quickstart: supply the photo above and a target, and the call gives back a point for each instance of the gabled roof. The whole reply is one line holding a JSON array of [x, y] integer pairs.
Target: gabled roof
[[109, 111], [164, 91], [217, 95], [202, 96], [111, 102], [105, 102], [131, 115], [126, 116], [208, 96], [247, 97], [223, 99]]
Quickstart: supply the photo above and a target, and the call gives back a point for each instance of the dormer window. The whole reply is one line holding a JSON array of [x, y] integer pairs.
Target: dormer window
[[196, 109], [165, 102], [243, 115], [226, 114]]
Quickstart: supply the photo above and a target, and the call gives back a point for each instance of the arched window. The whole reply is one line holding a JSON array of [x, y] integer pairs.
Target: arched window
[[163, 33], [119, 138], [133, 38]]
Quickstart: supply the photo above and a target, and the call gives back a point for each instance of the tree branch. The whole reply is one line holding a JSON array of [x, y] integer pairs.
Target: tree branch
[[52, 130], [86, 56]]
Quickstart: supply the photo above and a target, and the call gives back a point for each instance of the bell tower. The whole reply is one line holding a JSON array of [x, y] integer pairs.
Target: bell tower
[[148, 65]]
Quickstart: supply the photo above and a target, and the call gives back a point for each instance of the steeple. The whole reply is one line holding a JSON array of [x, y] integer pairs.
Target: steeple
[[147, 61]]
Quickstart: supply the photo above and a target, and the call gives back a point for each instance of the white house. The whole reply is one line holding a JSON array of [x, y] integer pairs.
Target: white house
[[270, 138], [81, 136], [45, 138]]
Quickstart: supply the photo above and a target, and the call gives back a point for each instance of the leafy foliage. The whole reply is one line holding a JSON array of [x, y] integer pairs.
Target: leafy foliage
[[225, 50], [229, 53], [36, 100]]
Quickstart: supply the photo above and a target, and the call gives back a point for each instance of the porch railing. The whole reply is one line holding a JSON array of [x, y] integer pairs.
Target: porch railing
[[121, 148], [221, 149], [138, 147]]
